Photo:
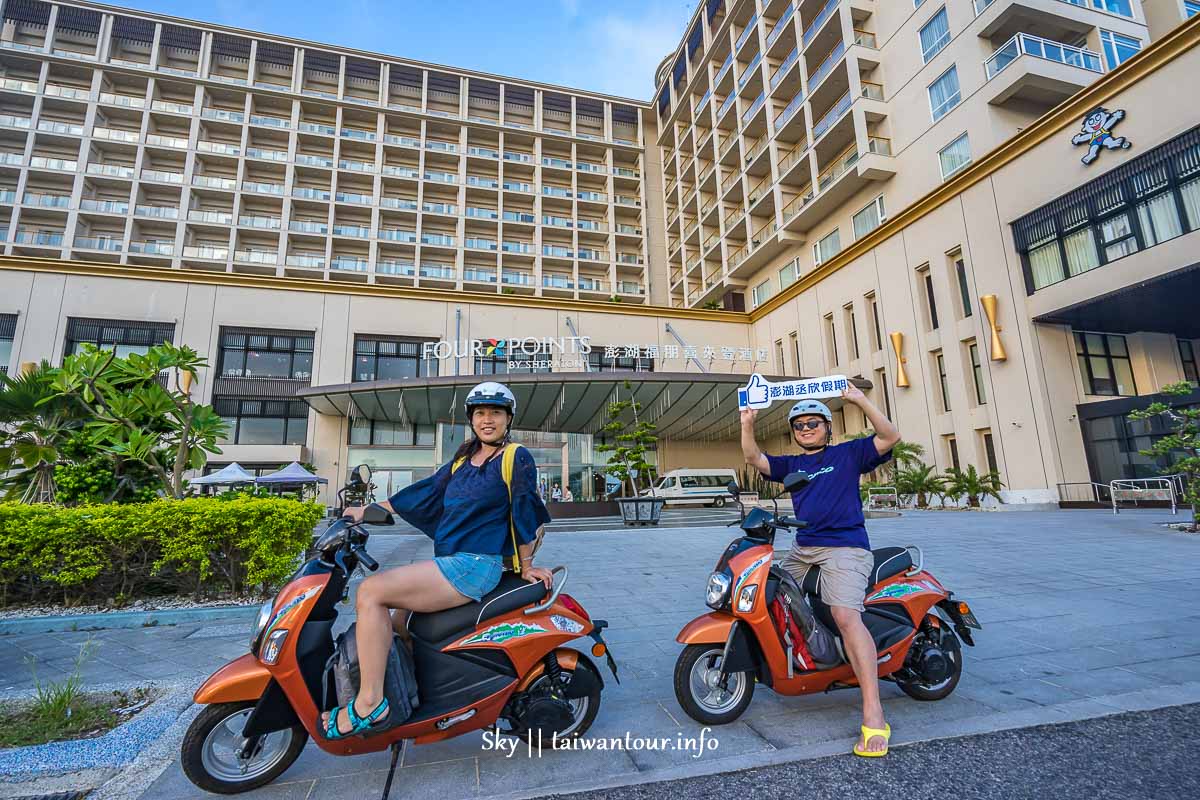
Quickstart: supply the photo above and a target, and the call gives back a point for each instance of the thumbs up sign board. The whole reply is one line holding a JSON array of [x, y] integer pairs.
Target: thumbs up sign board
[[760, 393]]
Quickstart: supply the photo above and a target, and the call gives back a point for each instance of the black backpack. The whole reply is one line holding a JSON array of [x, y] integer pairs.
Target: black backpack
[[399, 680]]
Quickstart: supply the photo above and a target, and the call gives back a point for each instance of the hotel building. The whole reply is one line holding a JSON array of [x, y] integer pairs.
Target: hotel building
[[888, 191]]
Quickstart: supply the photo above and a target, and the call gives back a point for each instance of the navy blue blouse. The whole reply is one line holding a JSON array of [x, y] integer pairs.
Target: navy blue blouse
[[467, 512]]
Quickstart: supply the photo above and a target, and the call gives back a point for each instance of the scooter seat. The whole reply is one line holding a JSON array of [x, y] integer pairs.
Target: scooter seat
[[889, 561], [511, 593]]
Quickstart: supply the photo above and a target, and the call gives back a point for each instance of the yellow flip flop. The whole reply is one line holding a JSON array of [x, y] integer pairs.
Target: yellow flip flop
[[867, 734]]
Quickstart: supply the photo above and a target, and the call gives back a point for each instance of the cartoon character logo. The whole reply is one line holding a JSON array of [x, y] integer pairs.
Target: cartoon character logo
[[1096, 133], [495, 347]]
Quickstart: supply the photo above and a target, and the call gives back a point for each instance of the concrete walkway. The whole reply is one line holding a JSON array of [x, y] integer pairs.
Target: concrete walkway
[[1084, 613]]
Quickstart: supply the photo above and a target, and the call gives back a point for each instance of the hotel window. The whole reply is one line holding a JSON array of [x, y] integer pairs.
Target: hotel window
[[382, 433], [839, 421], [952, 449], [1122, 8], [1187, 355], [1117, 48], [851, 329], [253, 353], [934, 35], [760, 293], [1139, 204], [1191, 8], [122, 337], [604, 358], [964, 287], [381, 358], [944, 93], [977, 374], [925, 279], [869, 218], [787, 275], [8, 330], [827, 247], [989, 452], [261, 421], [955, 156], [940, 362], [830, 341], [780, 359], [1104, 364], [876, 331], [795, 349], [882, 385]]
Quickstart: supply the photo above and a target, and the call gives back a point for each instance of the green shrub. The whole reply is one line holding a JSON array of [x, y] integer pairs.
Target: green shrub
[[93, 553]]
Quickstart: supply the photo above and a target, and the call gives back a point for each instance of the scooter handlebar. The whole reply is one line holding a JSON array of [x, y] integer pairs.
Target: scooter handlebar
[[365, 559]]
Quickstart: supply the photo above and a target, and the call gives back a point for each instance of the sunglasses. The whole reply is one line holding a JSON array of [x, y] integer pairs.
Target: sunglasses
[[811, 424]]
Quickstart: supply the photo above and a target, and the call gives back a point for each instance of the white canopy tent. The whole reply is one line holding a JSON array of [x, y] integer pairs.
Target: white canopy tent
[[291, 475], [230, 475]]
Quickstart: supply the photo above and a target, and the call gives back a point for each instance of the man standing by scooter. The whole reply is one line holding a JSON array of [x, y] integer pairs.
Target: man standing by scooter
[[836, 536]]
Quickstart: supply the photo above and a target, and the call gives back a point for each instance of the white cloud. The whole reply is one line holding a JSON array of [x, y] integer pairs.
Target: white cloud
[[624, 50]]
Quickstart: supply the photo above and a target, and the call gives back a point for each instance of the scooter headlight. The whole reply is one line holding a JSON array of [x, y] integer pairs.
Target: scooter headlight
[[260, 623], [717, 592], [746, 597]]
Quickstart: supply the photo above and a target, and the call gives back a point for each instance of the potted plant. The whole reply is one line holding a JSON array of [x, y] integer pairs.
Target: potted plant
[[1180, 448], [628, 438]]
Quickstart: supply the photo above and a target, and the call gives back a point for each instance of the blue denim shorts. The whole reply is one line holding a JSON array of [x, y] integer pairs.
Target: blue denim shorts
[[470, 574]]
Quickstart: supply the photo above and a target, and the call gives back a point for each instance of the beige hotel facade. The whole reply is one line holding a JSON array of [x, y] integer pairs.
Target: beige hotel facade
[[890, 190]]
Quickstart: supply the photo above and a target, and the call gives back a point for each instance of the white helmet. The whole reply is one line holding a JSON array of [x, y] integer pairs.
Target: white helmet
[[491, 393], [813, 407]]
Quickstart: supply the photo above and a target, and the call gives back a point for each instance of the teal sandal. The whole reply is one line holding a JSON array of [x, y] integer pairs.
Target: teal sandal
[[358, 725]]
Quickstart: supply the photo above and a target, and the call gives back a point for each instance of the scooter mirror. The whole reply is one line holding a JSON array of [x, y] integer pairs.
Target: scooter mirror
[[732, 488], [796, 481], [362, 473], [376, 514]]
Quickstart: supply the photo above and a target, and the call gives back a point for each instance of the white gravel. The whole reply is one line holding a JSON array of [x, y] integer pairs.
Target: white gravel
[[152, 604]]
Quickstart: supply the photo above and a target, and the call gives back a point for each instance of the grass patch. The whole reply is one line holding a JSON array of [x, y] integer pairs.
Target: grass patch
[[84, 717]]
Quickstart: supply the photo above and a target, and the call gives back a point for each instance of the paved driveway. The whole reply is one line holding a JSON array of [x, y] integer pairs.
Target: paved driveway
[[1083, 612]]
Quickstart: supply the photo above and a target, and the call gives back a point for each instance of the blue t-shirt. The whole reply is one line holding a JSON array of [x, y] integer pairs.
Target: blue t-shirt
[[830, 504], [467, 511]]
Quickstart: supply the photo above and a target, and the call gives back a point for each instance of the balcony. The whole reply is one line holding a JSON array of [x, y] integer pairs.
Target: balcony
[[826, 66], [39, 238], [831, 116], [304, 260], [784, 66], [780, 24], [1067, 20], [395, 266], [746, 34], [152, 248], [1031, 69], [822, 17]]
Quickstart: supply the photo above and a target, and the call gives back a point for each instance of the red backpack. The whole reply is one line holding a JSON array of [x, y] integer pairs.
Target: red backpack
[[810, 643], [789, 631]]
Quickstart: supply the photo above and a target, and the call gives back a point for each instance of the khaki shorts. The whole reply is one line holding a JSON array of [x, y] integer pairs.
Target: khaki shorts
[[845, 572]]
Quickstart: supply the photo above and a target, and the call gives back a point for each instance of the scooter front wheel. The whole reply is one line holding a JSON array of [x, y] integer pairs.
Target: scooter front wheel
[[212, 752], [703, 693]]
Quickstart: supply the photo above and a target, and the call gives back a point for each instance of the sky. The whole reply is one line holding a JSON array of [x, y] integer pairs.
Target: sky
[[608, 46]]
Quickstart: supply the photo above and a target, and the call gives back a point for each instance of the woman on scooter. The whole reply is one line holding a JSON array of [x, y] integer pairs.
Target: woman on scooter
[[464, 507], [836, 536]]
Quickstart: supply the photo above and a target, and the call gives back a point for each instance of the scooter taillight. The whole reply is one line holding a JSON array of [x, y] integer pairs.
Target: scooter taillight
[[573, 605]]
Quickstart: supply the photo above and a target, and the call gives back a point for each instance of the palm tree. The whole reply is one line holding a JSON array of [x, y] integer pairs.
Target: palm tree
[[973, 485], [35, 423], [920, 481]]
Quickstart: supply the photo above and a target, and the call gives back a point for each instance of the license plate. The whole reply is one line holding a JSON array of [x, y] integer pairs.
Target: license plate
[[970, 621]]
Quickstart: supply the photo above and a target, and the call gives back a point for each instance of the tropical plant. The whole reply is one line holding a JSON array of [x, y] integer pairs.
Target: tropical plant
[[905, 454], [713, 305], [135, 417], [1180, 447], [751, 480], [920, 481], [35, 426], [627, 439], [972, 485]]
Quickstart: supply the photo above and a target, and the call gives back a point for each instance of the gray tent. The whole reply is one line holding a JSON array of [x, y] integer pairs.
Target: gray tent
[[291, 475], [230, 475]]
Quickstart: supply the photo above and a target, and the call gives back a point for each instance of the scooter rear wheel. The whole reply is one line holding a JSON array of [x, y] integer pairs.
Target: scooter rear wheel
[[209, 754], [698, 688]]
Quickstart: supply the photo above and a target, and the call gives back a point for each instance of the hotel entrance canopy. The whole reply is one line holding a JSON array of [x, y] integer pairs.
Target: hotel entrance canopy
[[682, 405]]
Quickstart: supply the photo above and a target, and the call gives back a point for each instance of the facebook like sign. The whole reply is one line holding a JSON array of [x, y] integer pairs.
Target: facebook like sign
[[760, 393]]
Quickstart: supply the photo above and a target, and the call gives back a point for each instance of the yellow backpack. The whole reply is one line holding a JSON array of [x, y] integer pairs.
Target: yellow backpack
[[507, 460]]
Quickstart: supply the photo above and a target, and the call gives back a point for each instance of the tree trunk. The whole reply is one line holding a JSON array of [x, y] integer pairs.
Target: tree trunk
[[973, 500], [922, 500]]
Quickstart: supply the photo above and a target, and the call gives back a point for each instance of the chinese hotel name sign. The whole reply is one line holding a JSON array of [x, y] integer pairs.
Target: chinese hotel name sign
[[572, 351]]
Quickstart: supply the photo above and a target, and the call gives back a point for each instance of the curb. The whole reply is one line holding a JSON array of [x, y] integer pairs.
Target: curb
[[123, 619]]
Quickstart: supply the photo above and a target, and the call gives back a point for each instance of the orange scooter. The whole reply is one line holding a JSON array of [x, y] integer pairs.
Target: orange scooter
[[915, 621], [499, 662]]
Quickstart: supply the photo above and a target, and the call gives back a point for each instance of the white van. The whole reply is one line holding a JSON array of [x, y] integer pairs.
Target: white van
[[680, 486]]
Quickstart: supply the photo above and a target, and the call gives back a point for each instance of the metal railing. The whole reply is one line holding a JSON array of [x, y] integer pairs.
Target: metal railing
[[779, 23], [750, 26], [1048, 49], [831, 116], [784, 66], [826, 66], [1084, 492]]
